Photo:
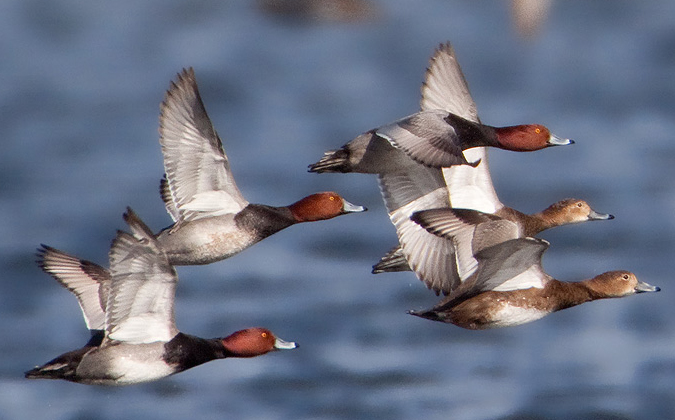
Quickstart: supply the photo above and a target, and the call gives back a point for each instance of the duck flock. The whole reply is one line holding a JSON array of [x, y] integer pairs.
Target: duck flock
[[432, 169]]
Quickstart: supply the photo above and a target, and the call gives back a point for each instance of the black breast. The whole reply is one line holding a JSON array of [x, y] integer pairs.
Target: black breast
[[472, 134], [186, 351], [262, 220]]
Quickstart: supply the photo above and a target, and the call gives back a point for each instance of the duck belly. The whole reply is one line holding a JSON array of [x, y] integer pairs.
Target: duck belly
[[119, 366], [511, 315], [205, 242], [478, 314]]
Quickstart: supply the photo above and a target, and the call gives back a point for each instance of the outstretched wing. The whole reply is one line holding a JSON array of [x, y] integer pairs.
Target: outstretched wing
[[469, 231], [88, 282], [427, 138], [512, 265], [445, 88], [197, 170], [414, 188], [140, 305]]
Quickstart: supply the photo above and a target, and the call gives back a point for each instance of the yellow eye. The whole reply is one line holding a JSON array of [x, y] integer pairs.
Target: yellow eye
[[264, 335], [332, 198], [537, 130]]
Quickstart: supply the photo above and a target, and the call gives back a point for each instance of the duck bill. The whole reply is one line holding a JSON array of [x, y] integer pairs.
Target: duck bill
[[554, 140], [594, 215], [280, 344], [643, 287], [348, 207]]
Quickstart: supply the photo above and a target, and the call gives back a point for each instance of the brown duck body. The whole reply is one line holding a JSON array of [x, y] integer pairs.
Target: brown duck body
[[495, 309]]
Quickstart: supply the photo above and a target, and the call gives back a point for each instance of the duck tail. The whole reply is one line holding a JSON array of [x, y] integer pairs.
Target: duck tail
[[64, 366], [50, 371], [427, 314], [393, 261], [332, 161]]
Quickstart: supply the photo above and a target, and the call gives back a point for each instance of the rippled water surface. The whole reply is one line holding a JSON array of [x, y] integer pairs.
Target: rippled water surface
[[81, 85]]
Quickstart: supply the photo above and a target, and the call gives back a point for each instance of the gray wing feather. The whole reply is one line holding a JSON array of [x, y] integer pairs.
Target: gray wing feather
[[143, 287], [198, 171]]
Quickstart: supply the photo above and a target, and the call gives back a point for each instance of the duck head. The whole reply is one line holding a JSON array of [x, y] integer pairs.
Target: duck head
[[573, 210], [253, 342], [614, 284], [528, 137], [322, 206]]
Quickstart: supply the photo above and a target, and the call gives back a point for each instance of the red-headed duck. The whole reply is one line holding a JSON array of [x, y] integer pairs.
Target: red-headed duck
[[137, 341], [436, 136], [510, 288], [213, 221], [408, 186]]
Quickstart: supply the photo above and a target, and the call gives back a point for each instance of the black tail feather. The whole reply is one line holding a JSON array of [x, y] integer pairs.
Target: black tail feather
[[332, 161]]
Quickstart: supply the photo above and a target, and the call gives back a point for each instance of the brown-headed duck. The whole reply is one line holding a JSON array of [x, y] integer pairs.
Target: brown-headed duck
[[213, 220], [510, 288], [130, 312], [471, 231], [564, 212], [408, 186]]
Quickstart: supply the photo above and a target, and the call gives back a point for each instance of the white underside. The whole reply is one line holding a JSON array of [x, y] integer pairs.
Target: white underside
[[129, 371], [124, 364], [509, 316]]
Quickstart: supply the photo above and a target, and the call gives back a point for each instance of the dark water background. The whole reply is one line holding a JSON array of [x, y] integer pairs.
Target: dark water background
[[80, 87]]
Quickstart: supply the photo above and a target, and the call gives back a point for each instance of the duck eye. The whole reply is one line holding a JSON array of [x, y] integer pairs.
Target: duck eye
[[537, 130], [625, 276], [264, 335], [580, 204]]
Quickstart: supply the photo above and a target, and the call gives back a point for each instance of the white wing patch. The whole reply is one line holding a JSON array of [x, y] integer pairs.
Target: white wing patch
[[532, 277], [145, 328], [472, 188], [211, 203]]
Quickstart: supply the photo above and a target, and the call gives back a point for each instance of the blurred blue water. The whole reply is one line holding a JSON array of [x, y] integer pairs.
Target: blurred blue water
[[81, 85]]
